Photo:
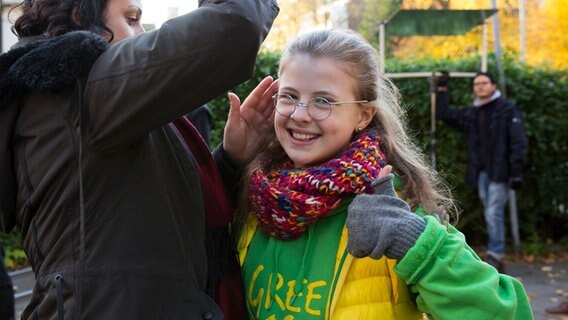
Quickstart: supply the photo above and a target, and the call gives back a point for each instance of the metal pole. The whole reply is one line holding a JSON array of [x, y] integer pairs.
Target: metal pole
[[484, 48], [514, 220], [433, 126], [497, 48], [426, 74], [382, 46], [522, 28], [1, 26]]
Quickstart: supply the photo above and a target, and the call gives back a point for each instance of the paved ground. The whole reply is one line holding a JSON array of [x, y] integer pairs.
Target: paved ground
[[546, 284]]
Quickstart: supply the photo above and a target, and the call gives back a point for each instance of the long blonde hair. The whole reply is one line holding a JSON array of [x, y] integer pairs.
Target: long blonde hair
[[421, 185]]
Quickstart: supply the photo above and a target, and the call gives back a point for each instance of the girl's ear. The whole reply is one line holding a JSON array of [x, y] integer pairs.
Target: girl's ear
[[366, 115]]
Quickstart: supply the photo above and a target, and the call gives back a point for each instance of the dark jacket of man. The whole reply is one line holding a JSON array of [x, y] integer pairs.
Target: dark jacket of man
[[501, 150], [105, 194]]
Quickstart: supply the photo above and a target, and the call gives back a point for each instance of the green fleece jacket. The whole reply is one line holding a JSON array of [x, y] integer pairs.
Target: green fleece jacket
[[452, 282]]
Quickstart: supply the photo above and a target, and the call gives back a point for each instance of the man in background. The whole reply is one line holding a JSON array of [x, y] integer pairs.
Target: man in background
[[496, 149]]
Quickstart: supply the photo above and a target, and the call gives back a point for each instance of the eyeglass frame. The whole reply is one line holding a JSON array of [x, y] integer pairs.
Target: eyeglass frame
[[307, 105], [482, 83]]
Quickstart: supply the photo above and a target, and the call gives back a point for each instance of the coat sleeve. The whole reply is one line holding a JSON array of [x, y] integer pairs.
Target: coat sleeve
[[146, 81], [518, 143], [231, 174], [8, 186], [456, 118], [451, 282]]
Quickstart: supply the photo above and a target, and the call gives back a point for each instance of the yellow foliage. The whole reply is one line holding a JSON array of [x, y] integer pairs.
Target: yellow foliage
[[546, 37], [549, 35]]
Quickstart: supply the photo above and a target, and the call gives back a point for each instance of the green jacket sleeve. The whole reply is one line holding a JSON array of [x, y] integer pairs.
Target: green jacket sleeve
[[452, 282]]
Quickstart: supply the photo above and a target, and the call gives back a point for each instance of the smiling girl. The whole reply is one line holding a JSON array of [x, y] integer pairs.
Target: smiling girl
[[309, 250]]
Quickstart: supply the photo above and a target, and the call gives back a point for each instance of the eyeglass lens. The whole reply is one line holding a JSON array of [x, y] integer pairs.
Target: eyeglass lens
[[318, 108]]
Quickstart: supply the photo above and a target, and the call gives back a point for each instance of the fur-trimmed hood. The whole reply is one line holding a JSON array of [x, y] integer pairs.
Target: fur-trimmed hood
[[48, 64], [43, 65]]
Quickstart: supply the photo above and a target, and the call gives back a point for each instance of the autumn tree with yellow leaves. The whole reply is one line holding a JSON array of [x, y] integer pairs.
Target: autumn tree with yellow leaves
[[546, 39]]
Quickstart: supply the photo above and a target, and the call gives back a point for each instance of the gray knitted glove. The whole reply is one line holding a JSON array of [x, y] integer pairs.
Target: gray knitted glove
[[382, 224]]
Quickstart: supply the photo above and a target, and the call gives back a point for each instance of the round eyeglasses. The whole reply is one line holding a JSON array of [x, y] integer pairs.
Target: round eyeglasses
[[318, 108]]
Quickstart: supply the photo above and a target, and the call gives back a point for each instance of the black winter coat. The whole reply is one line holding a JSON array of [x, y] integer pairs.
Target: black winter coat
[[508, 146], [105, 194]]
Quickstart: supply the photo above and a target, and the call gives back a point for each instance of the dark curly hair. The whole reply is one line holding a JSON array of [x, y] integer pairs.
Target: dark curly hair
[[56, 17]]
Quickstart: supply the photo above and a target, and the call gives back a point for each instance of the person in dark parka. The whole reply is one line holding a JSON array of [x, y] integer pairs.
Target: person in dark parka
[[106, 195]]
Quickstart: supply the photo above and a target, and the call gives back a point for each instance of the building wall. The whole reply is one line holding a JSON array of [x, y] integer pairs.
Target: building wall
[[8, 38]]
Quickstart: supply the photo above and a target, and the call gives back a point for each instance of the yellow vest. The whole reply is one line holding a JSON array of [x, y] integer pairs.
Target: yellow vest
[[366, 288]]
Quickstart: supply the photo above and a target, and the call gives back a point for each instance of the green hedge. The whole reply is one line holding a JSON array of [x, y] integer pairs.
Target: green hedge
[[14, 256], [540, 93], [542, 202]]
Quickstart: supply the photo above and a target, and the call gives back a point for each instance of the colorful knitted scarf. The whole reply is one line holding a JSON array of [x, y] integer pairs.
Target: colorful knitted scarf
[[287, 200]]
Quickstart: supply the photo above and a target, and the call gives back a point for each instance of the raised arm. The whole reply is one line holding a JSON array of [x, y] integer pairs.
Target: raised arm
[[456, 118], [143, 82]]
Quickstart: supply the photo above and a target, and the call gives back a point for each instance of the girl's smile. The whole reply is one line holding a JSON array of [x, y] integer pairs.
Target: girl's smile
[[307, 141]]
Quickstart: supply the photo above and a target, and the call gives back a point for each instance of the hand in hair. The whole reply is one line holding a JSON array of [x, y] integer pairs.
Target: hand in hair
[[382, 223]]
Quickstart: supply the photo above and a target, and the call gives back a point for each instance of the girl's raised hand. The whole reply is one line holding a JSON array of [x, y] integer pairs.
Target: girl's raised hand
[[248, 124]]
